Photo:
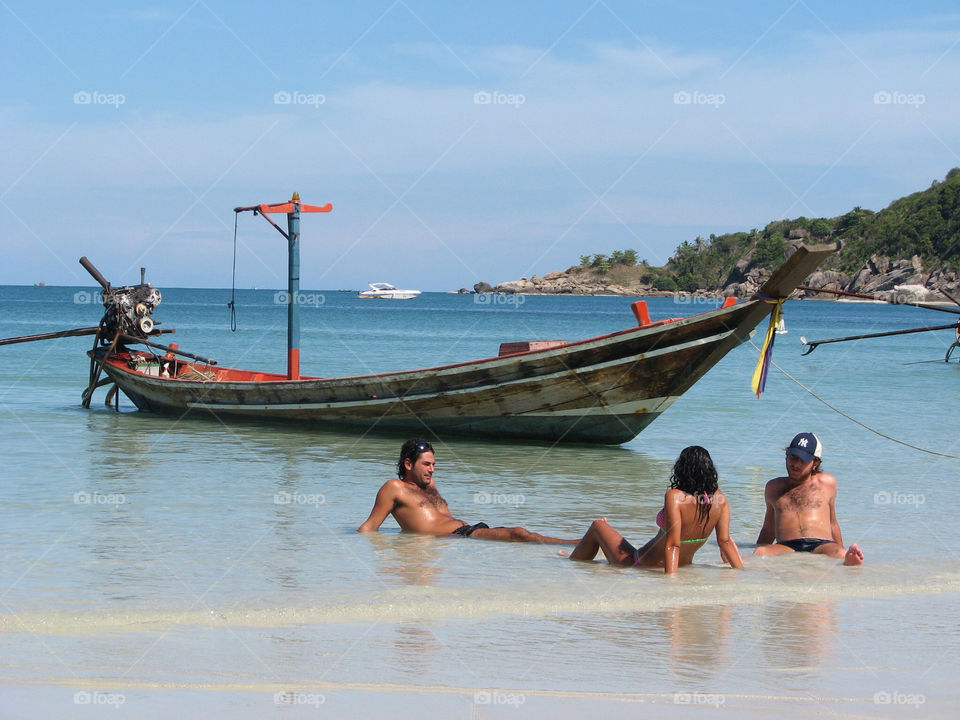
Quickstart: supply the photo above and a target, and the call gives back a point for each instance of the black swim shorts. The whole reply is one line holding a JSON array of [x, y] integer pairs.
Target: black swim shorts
[[804, 544], [467, 530]]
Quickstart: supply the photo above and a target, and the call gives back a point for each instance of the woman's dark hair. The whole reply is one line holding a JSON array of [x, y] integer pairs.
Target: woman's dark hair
[[411, 450], [694, 473]]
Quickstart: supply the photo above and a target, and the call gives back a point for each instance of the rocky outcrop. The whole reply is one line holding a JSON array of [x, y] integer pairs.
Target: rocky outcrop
[[572, 281], [888, 279], [880, 276]]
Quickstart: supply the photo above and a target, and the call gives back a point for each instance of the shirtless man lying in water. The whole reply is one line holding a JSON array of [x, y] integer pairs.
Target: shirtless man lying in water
[[801, 516], [416, 505]]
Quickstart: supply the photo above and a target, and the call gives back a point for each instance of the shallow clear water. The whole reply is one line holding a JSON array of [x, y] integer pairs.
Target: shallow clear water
[[169, 564]]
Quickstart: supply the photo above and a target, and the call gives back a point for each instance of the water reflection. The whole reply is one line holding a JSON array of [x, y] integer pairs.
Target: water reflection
[[797, 636], [408, 558], [699, 640]]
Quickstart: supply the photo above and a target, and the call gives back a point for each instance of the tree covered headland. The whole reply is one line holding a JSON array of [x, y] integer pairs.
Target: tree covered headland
[[926, 224]]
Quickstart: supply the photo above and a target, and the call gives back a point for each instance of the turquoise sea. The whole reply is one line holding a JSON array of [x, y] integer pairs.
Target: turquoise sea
[[155, 567]]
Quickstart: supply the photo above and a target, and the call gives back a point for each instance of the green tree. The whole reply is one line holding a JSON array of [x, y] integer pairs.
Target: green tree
[[819, 228], [770, 252], [665, 282]]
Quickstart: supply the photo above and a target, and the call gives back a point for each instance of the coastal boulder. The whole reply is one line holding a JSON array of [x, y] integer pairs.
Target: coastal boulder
[[516, 286], [944, 280], [739, 272], [880, 274], [828, 280]]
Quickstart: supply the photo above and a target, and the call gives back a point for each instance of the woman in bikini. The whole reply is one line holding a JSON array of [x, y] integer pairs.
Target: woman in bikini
[[693, 507]]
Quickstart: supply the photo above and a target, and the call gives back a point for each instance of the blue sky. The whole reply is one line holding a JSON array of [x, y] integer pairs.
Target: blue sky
[[457, 144]]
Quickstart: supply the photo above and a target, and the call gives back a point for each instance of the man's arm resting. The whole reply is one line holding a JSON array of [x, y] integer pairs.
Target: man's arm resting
[[768, 533], [382, 507], [728, 548], [834, 525]]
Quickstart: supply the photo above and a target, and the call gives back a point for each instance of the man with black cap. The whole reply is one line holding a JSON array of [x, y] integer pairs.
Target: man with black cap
[[801, 516]]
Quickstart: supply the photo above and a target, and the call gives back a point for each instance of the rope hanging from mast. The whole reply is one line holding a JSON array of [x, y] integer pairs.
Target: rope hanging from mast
[[233, 281]]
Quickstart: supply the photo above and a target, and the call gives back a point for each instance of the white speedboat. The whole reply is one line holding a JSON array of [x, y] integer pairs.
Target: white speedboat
[[386, 291]]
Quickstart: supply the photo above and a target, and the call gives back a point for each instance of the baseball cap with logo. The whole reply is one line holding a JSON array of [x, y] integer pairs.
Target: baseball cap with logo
[[806, 446]]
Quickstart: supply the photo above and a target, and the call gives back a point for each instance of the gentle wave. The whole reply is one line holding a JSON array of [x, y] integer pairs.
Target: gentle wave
[[446, 603]]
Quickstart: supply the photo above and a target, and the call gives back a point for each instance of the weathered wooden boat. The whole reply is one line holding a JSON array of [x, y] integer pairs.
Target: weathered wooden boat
[[604, 389], [599, 390]]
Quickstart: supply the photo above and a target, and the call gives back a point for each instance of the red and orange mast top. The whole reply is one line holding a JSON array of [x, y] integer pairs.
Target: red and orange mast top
[[292, 209]]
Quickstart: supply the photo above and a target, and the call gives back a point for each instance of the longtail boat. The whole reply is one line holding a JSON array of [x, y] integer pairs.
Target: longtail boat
[[603, 389]]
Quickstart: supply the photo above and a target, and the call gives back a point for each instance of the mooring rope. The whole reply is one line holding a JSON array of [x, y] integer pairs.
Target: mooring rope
[[233, 282], [853, 419]]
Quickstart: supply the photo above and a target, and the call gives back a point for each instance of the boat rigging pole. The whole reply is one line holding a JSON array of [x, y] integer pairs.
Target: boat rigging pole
[[293, 208]]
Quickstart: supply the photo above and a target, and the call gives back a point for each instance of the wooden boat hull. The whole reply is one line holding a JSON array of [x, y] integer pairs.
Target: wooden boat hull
[[601, 390]]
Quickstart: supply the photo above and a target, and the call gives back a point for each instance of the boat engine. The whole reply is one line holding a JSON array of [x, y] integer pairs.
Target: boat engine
[[129, 309]]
